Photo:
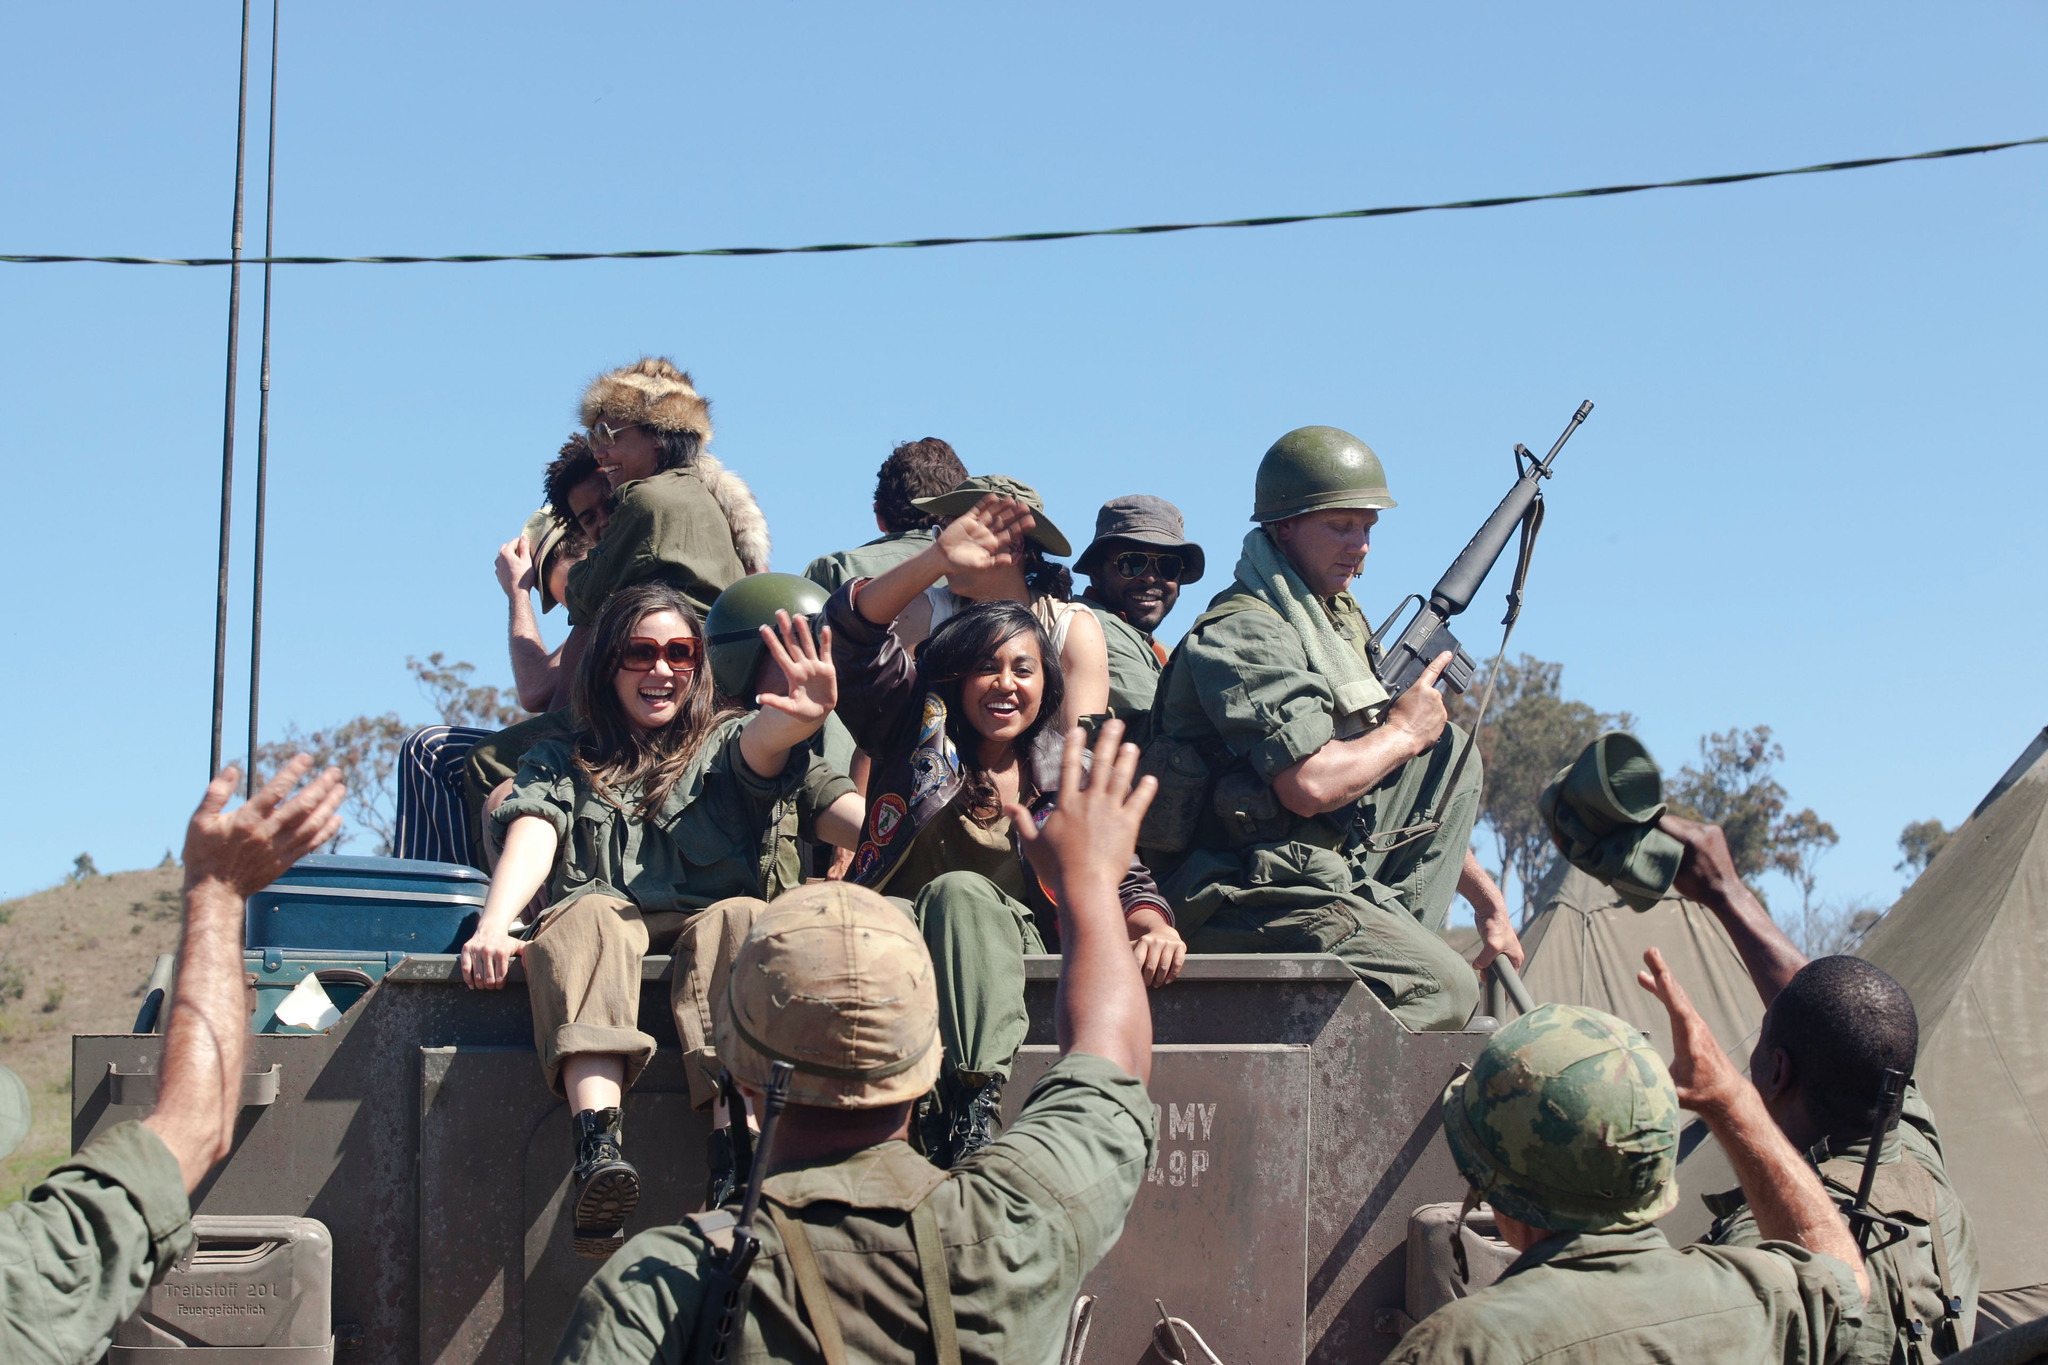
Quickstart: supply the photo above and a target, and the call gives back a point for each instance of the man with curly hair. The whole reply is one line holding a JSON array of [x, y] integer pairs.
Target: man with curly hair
[[914, 469]]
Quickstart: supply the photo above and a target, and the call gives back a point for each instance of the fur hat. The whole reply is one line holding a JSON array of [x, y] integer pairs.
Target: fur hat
[[650, 392]]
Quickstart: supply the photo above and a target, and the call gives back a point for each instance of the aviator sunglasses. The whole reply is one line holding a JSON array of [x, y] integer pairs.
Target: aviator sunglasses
[[640, 654], [1136, 563], [604, 435]]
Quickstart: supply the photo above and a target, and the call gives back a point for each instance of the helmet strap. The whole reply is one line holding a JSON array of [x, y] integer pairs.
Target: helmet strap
[[1474, 1197]]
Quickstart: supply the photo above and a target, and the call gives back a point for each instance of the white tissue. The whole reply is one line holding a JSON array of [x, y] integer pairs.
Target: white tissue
[[308, 1006]]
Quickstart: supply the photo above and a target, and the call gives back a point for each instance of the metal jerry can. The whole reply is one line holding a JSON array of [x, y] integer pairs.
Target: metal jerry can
[[250, 1288]]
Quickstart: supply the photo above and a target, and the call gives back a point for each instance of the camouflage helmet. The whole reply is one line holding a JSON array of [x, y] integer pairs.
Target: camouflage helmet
[[1313, 468], [732, 628], [1568, 1121]]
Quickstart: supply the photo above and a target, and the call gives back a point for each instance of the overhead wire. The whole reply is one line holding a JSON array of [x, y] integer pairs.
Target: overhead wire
[[1148, 229]]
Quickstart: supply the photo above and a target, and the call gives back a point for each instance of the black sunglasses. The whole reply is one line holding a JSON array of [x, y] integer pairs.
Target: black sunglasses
[[1136, 563]]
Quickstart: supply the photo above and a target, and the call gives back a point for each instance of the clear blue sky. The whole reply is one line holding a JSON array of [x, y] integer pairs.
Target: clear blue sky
[[1805, 500]]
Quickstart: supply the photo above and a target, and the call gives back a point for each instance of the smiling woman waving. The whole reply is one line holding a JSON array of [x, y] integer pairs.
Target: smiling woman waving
[[655, 808], [968, 728]]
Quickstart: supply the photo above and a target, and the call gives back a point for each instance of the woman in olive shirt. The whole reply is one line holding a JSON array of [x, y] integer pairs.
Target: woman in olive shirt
[[656, 807]]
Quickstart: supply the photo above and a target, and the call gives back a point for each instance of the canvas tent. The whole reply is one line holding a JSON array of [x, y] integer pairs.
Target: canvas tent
[[1585, 946], [1969, 942]]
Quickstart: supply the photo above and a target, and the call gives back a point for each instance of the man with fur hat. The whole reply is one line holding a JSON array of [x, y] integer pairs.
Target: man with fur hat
[[678, 516], [914, 469], [868, 1251], [1135, 566], [1567, 1126], [1301, 810]]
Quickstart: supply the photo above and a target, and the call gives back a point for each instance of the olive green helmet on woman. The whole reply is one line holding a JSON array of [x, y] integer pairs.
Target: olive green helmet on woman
[[732, 628], [1569, 1122], [1314, 468]]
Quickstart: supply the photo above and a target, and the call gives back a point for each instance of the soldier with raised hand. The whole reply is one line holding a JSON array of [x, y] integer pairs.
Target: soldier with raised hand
[[869, 1253], [1567, 1126], [1300, 811], [77, 1255], [1832, 1027]]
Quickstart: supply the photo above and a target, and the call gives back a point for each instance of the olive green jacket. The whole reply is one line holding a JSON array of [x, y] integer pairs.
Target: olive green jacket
[[834, 571], [1609, 1298], [1022, 1221], [714, 835], [1133, 666], [666, 527], [1904, 1279], [79, 1253]]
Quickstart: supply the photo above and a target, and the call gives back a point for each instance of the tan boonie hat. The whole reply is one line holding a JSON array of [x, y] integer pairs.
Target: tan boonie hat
[[544, 532], [964, 495], [837, 982]]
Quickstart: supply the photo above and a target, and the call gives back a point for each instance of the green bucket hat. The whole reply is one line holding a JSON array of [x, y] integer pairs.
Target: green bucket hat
[[1602, 812], [962, 498], [544, 532], [14, 1111], [1567, 1121]]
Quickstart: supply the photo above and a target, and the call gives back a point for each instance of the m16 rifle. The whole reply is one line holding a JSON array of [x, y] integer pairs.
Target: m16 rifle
[[722, 1312], [1428, 634]]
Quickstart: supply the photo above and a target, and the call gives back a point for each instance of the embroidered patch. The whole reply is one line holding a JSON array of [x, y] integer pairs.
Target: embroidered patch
[[864, 864], [889, 812]]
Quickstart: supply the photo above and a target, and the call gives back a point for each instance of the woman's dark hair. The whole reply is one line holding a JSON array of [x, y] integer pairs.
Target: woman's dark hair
[[610, 750], [677, 448], [915, 469], [1046, 577], [965, 644]]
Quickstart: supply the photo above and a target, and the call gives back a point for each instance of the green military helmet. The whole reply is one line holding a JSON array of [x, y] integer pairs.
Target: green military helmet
[[1312, 468], [1568, 1121], [732, 628]]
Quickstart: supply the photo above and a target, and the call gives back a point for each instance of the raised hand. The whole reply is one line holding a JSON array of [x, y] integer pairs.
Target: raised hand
[[247, 849], [1093, 831], [515, 566], [1707, 1081], [989, 535], [811, 683]]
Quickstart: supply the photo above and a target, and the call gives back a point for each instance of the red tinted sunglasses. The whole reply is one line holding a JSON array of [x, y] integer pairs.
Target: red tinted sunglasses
[[682, 653]]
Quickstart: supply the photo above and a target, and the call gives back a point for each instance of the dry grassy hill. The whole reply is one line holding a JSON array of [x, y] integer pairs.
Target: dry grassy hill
[[73, 960]]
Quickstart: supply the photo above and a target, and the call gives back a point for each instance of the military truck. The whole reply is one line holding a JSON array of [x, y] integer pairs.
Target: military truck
[[1298, 1139]]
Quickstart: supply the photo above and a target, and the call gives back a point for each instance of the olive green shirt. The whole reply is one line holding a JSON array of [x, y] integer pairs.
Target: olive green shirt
[[1906, 1271], [709, 839], [1133, 665], [1601, 1298], [1022, 1221], [666, 527], [834, 571], [77, 1255]]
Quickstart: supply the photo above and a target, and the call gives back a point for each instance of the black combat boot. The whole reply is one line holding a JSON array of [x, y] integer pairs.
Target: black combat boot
[[958, 1125], [607, 1186]]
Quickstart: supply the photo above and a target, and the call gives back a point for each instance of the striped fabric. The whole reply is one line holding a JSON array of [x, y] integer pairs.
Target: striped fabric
[[432, 821]]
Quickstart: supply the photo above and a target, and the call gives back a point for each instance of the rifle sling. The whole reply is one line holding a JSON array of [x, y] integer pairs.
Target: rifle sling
[[817, 1298]]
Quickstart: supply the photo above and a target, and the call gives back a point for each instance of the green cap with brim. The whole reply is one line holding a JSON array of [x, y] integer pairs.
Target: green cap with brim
[[1602, 812], [14, 1111], [962, 498], [544, 532]]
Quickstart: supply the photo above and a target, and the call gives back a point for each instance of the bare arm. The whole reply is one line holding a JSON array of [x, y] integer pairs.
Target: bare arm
[[989, 535], [534, 667], [530, 844], [786, 720], [228, 858], [1708, 876], [1489, 914], [839, 823], [567, 658], [1784, 1192], [1084, 661], [1082, 851], [1345, 769]]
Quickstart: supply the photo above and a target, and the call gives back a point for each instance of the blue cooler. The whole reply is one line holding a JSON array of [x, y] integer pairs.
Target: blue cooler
[[374, 905]]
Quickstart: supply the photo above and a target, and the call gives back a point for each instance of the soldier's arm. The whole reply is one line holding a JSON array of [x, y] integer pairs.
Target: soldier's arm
[[1345, 769], [1081, 852], [1784, 1193], [228, 858], [988, 535], [1708, 875]]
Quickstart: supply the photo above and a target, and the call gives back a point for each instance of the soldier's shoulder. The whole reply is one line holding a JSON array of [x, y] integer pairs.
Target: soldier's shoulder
[[1234, 619]]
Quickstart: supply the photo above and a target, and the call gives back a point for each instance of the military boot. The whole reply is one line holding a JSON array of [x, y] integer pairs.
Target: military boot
[[959, 1125], [607, 1186]]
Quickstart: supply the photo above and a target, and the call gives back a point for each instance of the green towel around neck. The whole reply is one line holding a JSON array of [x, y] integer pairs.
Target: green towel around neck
[[1265, 573]]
